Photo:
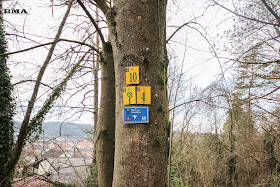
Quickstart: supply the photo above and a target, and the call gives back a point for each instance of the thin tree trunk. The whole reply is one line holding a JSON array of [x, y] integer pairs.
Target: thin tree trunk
[[105, 141], [96, 89], [137, 29], [250, 128], [23, 130]]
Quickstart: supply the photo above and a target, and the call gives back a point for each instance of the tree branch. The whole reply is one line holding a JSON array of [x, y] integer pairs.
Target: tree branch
[[271, 11], [260, 63], [252, 19], [27, 49], [82, 43], [30, 80], [102, 5], [267, 94], [195, 100], [37, 120], [92, 20], [49, 43], [179, 28], [256, 46], [271, 113]]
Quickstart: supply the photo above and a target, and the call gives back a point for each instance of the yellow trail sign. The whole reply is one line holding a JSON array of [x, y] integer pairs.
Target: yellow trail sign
[[129, 95], [144, 95], [132, 75]]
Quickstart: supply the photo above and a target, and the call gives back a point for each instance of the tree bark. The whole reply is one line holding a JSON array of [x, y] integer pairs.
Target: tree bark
[[137, 30], [105, 141]]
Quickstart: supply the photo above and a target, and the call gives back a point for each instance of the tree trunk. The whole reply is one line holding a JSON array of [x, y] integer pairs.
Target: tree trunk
[[95, 75], [105, 142], [6, 109], [137, 29], [95, 91]]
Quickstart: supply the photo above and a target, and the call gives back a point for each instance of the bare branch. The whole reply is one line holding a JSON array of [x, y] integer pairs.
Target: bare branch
[[102, 5], [271, 11], [267, 94], [92, 20], [23, 130], [179, 28], [197, 100], [30, 48], [249, 18], [82, 43], [260, 63], [256, 46], [49, 43], [271, 113], [38, 118], [30, 80]]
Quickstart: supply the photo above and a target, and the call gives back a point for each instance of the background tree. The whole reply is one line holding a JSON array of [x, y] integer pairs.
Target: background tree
[[105, 127], [105, 140], [255, 45], [7, 109]]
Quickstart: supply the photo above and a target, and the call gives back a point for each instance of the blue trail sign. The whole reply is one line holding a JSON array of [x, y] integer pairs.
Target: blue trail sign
[[136, 114]]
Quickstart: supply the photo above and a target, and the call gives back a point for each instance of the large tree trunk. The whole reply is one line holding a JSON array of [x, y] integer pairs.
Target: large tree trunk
[[105, 142], [137, 29]]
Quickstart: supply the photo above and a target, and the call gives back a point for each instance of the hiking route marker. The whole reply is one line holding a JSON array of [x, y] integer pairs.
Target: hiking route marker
[[129, 95], [144, 95], [135, 95], [136, 114], [132, 75]]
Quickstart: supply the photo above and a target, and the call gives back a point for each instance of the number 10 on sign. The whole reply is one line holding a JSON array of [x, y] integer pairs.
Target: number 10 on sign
[[132, 75]]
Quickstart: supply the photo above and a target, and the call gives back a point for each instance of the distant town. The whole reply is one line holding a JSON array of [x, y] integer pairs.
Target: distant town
[[65, 159]]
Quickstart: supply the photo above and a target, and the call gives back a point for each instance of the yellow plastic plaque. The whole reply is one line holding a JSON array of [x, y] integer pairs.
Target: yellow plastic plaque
[[144, 95], [129, 95], [132, 75]]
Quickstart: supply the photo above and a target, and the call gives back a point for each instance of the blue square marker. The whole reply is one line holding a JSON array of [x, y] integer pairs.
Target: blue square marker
[[136, 114]]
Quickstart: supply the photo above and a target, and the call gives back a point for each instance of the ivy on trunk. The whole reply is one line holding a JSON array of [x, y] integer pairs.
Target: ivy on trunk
[[6, 108]]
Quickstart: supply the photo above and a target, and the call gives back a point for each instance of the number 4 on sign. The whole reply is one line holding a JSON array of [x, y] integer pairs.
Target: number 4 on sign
[[144, 95], [132, 75]]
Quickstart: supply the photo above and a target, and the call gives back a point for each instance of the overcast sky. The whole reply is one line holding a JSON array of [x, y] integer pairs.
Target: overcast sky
[[188, 47]]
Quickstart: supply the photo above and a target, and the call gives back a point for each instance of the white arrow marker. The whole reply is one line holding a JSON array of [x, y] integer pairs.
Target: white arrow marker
[[134, 116]]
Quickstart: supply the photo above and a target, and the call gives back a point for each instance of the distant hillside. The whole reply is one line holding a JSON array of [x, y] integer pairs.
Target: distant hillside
[[55, 129]]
